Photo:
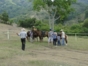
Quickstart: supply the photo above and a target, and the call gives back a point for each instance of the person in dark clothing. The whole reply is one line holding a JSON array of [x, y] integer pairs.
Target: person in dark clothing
[[23, 35], [58, 39], [54, 38]]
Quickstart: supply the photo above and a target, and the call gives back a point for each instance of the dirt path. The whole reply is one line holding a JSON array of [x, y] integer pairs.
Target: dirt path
[[74, 58]]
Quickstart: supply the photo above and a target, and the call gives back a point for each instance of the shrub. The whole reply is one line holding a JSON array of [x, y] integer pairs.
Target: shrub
[[85, 24]]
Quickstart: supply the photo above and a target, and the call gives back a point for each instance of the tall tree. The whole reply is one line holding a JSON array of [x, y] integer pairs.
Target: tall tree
[[56, 9], [86, 14], [5, 17]]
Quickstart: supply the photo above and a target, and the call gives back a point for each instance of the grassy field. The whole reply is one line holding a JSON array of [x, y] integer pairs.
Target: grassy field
[[40, 54]]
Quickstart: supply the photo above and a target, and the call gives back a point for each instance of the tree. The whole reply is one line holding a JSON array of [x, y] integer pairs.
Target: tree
[[57, 10], [85, 24], [5, 17], [86, 14]]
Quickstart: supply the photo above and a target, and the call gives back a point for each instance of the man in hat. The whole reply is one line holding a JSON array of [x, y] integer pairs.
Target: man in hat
[[23, 35], [34, 28], [50, 37], [62, 37]]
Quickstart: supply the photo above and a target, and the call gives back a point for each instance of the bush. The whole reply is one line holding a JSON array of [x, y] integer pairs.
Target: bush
[[58, 27], [77, 28], [4, 16], [85, 24], [42, 26], [27, 22]]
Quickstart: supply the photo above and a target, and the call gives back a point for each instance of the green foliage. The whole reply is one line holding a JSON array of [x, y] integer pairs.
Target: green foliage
[[4, 16], [58, 27], [62, 7], [11, 21], [43, 26], [85, 30], [85, 24], [79, 9], [15, 7], [86, 14], [27, 22], [76, 28]]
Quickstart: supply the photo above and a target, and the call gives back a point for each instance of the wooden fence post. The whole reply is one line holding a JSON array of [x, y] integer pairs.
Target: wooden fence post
[[8, 37]]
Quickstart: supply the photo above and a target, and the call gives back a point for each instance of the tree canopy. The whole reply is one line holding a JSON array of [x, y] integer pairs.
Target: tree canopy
[[60, 7], [4, 16]]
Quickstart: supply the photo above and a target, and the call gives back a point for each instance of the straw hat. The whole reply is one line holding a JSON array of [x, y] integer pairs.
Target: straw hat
[[23, 29], [33, 26]]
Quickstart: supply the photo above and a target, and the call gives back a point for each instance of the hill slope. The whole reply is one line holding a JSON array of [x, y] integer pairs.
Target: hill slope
[[15, 7], [21, 8], [5, 27]]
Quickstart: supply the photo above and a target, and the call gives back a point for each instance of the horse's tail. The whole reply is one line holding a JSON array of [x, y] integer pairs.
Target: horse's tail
[[66, 38]]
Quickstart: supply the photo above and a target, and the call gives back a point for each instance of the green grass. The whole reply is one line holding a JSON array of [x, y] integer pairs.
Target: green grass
[[12, 55], [78, 43]]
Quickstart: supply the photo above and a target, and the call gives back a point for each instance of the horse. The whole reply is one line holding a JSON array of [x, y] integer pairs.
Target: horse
[[36, 34]]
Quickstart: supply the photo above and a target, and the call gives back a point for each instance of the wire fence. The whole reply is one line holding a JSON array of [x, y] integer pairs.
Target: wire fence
[[78, 35], [8, 34], [11, 35]]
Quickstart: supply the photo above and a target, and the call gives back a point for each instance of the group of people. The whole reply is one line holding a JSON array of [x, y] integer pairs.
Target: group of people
[[53, 38]]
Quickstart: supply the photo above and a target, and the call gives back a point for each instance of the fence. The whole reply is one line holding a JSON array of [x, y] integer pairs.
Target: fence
[[11, 35], [8, 34], [78, 35]]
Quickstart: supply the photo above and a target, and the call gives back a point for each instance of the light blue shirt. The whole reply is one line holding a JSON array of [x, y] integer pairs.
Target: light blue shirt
[[23, 34], [58, 37], [50, 34], [54, 36]]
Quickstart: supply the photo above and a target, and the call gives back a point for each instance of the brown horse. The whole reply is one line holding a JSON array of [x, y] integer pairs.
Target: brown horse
[[36, 34]]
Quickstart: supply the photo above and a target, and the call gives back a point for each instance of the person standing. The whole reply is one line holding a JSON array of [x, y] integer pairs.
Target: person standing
[[31, 36], [50, 37], [62, 37], [54, 38], [23, 35], [58, 39]]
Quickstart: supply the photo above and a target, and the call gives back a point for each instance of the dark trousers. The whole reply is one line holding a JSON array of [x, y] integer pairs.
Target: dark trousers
[[23, 41], [54, 41]]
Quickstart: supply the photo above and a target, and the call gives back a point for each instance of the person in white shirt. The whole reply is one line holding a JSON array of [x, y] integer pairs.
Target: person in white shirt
[[62, 37], [50, 37], [23, 35]]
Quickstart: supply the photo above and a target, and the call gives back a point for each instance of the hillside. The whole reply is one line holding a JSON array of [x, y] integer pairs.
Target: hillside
[[23, 8], [80, 8], [5, 27], [83, 1], [15, 7]]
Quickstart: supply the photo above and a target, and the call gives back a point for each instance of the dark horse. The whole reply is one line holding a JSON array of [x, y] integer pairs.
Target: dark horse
[[38, 33]]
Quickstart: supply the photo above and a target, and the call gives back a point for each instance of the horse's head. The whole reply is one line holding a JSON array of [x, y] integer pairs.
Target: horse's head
[[28, 33], [46, 34]]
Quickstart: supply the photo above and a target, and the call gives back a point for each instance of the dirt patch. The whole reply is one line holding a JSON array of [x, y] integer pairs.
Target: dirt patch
[[71, 57]]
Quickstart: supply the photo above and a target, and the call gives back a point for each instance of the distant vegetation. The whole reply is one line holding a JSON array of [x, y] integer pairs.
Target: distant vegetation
[[20, 12], [15, 7]]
